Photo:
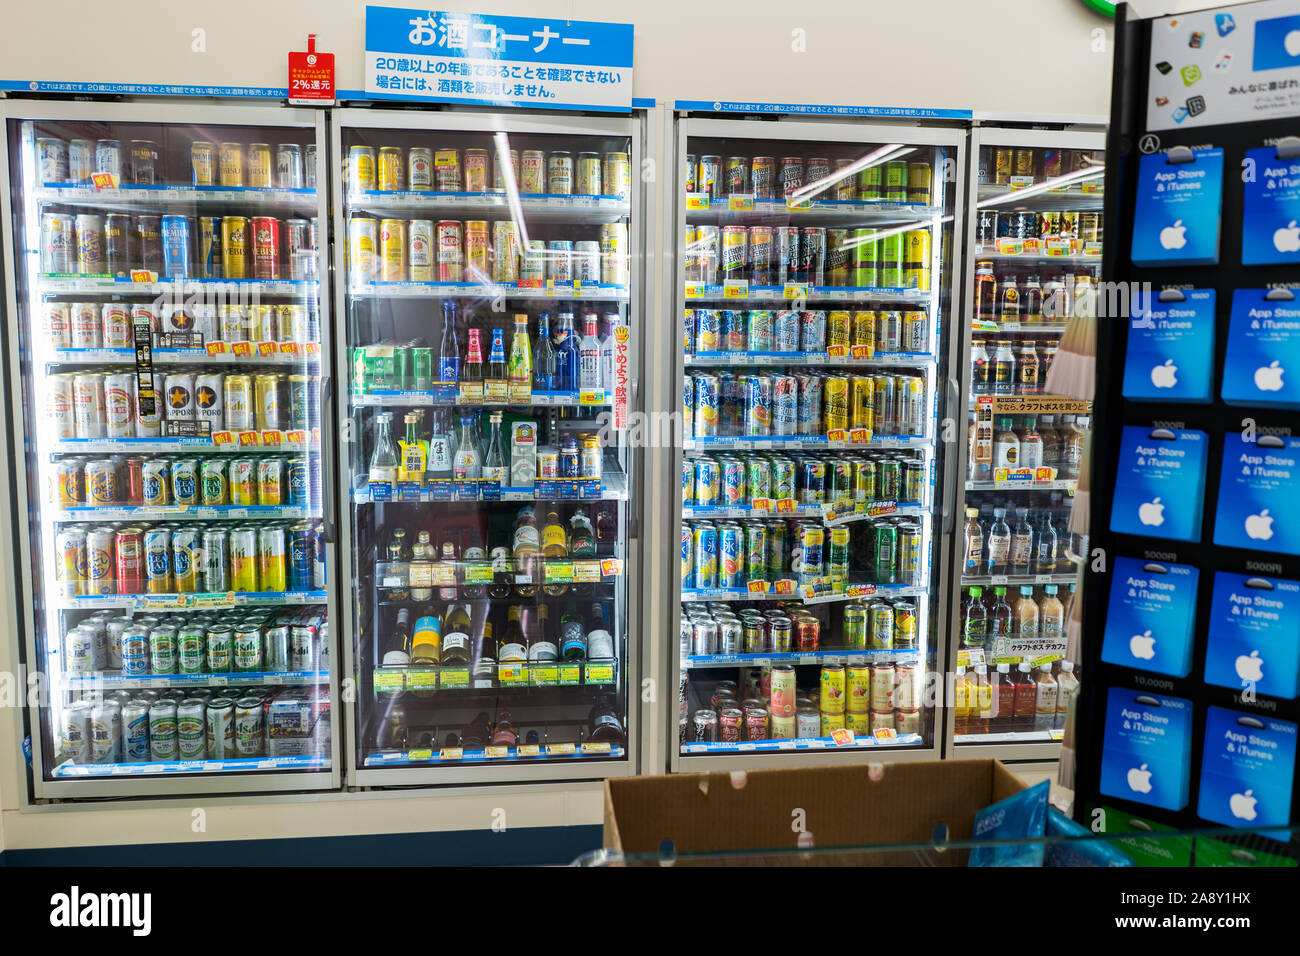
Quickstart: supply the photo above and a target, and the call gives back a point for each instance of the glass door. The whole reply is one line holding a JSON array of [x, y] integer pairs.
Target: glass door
[[485, 266], [1034, 262], [165, 347], [812, 293]]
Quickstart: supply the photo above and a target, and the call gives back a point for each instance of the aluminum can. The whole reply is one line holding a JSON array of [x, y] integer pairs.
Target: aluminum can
[[90, 244], [162, 730], [250, 727], [58, 243], [176, 247], [219, 649], [191, 729], [219, 733], [260, 169], [243, 560]]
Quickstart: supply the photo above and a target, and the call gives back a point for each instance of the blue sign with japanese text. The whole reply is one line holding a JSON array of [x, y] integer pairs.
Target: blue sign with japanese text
[[497, 60]]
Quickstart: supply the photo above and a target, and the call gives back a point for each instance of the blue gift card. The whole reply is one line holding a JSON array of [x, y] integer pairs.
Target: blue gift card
[[1149, 620], [1259, 494], [1270, 227], [1147, 748], [1170, 354], [1254, 635], [1246, 769], [1176, 221], [1262, 365], [1160, 483]]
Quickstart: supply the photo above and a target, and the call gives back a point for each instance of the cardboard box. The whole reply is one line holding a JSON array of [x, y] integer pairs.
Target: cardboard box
[[855, 806]]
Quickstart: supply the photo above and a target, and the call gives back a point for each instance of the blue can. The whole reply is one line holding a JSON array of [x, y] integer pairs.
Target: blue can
[[688, 332], [318, 575], [708, 330], [734, 337], [733, 482], [299, 483], [758, 405], [688, 558], [705, 546], [705, 410], [688, 482], [708, 482], [570, 463], [760, 330], [785, 331], [176, 246], [688, 406], [158, 560], [731, 556], [302, 555], [785, 405], [812, 331]]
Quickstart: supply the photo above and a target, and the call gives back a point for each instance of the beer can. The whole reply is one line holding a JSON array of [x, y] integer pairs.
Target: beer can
[[238, 402], [477, 252], [90, 244], [176, 247], [118, 257], [119, 405], [913, 482], [300, 248], [265, 232], [360, 169], [219, 730], [234, 247], [155, 483], [108, 157], [158, 560], [56, 324], [302, 553], [295, 323], [705, 550], [135, 731], [250, 728], [476, 171], [559, 173], [363, 249], [58, 243], [247, 649], [191, 647], [144, 162], [70, 562], [532, 171], [219, 649], [420, 250], [735, 252], [785, 405], [242, 486], [163, 744], [270, 481], [886, 553], [162, 649], [260, 171], [51, 161], [178, 391], [861, 402], [119, 555], [731, 555], [288, 166], [916, 259], [587, 180], [910, 555], [185, 560], [101, 483], [616, 175], [833, 689], [243, 559], [392, 250], [505, 252], [613, 253], [299, 479], [115, 324], [191, 729], [215, 568], [267, 403], [231, 165], [758, 405], [86, 325]]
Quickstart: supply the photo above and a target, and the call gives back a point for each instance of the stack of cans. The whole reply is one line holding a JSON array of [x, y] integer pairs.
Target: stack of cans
[[788, 332], [166, 480], [810, 479]]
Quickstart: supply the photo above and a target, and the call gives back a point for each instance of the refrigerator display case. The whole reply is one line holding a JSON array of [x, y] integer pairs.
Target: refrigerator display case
[[812, 294], [487, 265], [165, 341], [1034, 261]]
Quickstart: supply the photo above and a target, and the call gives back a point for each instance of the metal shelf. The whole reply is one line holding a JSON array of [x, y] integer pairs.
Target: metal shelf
[[236, 444], [1015, 580], [611, 486], [176, 289], [447, 756], [814, 442], [179, 197], [227, 765], [789, 508], [833, 656], [1071, 199], [1060, 484], [745, 294], [428, 204], [191, 602], [858, 741], [99, 680], [183, 512], [746, 358], [585, 292], [220, 353], [447, 396], [852, 592], [1014, 737], [741, 209]]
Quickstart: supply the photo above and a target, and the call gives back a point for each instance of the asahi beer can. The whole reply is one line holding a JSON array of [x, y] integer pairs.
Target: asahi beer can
[[242, 486], [219, 649], [58, 243], [616, 175], [51, 160], [247, 649], [250, 727], [288, 166], [243, 559], [237, 398], [219, 734], [215, 566], [191, 729]]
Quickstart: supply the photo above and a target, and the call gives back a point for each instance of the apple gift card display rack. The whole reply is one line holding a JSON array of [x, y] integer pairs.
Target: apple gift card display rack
[[1191, 620]]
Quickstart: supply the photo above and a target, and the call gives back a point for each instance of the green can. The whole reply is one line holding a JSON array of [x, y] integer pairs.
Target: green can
[[213, 482], [891, 479], [758, 478], [895, 181], [421, 368], [756, 550], [360, 371], [300, 402], [837, 552], [865, 251], [190, 648], [776, 550], [865, 479], [891, 260], [840, 481], [870, 183], [886, 553], [855, 627]]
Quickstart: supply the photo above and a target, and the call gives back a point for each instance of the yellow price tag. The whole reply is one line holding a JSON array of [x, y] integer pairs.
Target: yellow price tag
[[591, 396], [736, 289], [795, 292], [528, 750], [559, 750], [496, 752], [740, 203], [595, 748], [420, 755], [450, 753], [697, 201], [695, 290]]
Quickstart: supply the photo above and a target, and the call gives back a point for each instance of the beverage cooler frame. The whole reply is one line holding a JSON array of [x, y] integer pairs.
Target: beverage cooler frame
[[207, 114], [944, 333], [628, 602], [991, 136]]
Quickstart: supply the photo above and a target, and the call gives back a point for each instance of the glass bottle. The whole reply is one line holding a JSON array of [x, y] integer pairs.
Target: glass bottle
[[414, 452], [566, 355], [589, 373], [469, 459], [526, 548], [1004, 368], [441, 446], [521, 356], [496, 383], [472, 371], [494, 459], [541, 642], [603, 723], [555, 544], [513, 648], [582, 536], [449, 348], [504, 733], [423, 555], [383, 460], [543, 356]]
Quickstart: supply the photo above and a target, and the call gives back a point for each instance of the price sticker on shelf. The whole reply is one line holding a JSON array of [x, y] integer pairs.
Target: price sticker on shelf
[[389, 680], [611, 567], [267, 349], [451, 753], [600, 673], [1020, 182], [589, 396], [217, 348], [785, 586], [296, 437], [550, 287], [1010, 247], [697, 201], [795, 292], [1092, 189], [837, 353], [859, 590], [558, 572], [528, 750], [735, 289], [798, 203], [743, 203], [843, 737], [786, 506], [478, 573], [103, 180], [416, 755], [496, 752], [271, 437], [586, 572], [421, 678], [241, 349], [544, 675], [560, 750], [860, 436], [837, 435], [1092, 249], [696, 290], [223, 438], [512, 674], [570, 675], [998, 579], [760, 504], [443, 575], [863, 353], [758, 587], [453, 678], [1056, 248], [250, 439], [595, 748], [885, 733]]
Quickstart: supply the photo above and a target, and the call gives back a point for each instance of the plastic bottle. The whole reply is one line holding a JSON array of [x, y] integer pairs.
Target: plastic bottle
[[1066, 684], [1045, 699]]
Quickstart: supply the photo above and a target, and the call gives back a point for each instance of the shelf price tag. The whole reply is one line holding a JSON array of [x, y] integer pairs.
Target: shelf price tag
[[512, 673], [803, 203], [786, 506], [560, 750], [595, 748], [842, 737], [496, 753], [590, 396], [544, 675], [528, 750], [600, 673], [611, 567], [242, 349], [389, 679], [794, 292], [859, 590], [697, 201], [454, 678], [837, 435], [886, 733], [696, 290], [740, 203], [1010, 247], [860, 436], [570, 675], [758, 587], [217, 348], [558, 572], [761, 504], [735, 289], [443, 575], [1020, 182], [450, 753], [104, 180], [785, 586], [478, 573], [586, 572], [415, 755]]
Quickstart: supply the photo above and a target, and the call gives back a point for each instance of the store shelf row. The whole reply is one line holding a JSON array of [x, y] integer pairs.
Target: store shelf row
[[227, 765], [180, 197], [448, 395], [742, 292], [456, 755], [1034, 251], [873, 655], [793, 591], [537, 207], [806, 442], [114, 681], [843, 742], [610, 487], [212, 353], [831, 513], [1012, 737], [234, 291], [526, 290], [437, 574], [1084, 197], [701, 208], [593, 673], [183, 513], [190, 602], [222, 441], [1015, 580], [855, 356]]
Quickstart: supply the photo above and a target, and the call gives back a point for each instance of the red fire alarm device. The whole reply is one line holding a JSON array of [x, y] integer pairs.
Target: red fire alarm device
[[311, 76]]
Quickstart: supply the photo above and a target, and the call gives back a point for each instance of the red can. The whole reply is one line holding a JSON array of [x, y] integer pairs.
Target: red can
[[807, 633], [731, 724], [135, 481], [266, 247], [451, 257], [130, 561]]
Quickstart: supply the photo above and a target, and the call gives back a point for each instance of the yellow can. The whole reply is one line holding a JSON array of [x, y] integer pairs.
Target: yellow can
[[261, 323], [916, 258], [261, 165], [392, 169], [831, 723], [837, 329], [478, 255], [363, 244], [864, 329], [858, 678], [202, 156], [268, 409], [361, 169], [234, 245], [231, 164], [920, 178], [859, 722], [862, 408], [833, 689], [392, 250], [835, 402]]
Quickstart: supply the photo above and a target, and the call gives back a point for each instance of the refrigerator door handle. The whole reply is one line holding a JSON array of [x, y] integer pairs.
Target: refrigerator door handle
[[950, 481], [328, 513], [634, 529]]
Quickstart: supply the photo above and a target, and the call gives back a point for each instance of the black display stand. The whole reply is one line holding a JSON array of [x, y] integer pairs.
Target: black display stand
[[1128, 139]]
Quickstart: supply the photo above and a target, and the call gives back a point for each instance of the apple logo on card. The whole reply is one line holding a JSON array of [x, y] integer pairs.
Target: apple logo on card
[[1292, 43], [1268, 378], [1165, 376], [1259, 526], [1250, 668], [1242, 805], [1152, 513], [1287, 239], [1139, 779], [1142, 646], [1174, 237]]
